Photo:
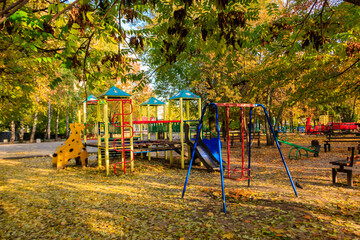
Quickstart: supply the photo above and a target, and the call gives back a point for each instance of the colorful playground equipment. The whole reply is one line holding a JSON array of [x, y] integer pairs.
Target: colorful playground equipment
[[217, 146], [71, 148], [127, 141], [330, 127], [151, 102], [206, 150], [314, 148]]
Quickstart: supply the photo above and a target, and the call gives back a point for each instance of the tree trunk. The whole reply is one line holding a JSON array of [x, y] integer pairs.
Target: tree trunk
[[57, 124], [74, 115], [67, 119], [32, 136], [48, 130], [353, 110], [269, 137], [12, 128], [21, 134], [279, 115], [224, 130]]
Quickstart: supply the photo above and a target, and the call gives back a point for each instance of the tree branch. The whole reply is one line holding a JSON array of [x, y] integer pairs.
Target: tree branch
[[303, 22], [10, 7], [86, 55], [110, 9], [347, 69], [4, 5], [50, 50], [14, 10], [61, 12], [355, 2]]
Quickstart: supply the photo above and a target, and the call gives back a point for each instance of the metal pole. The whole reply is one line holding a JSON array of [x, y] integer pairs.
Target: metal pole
[[84, 117], [199, 116], [170, 134], [278, 146], [79, 115], [242, 143], [220, 156], [98, 122], [188, 118], [157, 132], [141, 130], [182, 133], [149, 135], [132, 137], [228, 138], [250, 125], [165, 133], [106, 136], [122, 130]]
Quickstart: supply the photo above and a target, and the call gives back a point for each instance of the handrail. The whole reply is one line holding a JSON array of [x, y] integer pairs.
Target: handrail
[[209, 131]]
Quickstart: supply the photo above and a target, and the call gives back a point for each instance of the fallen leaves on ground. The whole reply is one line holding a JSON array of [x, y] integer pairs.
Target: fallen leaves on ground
[[36, 201]]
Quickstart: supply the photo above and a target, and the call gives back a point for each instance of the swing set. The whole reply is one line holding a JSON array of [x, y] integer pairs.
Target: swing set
[[244, 171]]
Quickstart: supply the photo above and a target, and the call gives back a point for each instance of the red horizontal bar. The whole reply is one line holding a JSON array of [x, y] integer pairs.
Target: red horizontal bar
[[118, 99], [235, 104], [159, 121]]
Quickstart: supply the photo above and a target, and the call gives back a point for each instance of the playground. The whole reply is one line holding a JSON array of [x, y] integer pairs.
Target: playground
[[39, 202], [211, 119]]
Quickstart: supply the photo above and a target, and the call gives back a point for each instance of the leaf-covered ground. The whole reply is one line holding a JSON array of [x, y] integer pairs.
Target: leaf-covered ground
[[38, 202]]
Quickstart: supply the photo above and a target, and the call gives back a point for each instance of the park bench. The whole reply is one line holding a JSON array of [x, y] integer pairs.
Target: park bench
[[346, 166], [340, 137]]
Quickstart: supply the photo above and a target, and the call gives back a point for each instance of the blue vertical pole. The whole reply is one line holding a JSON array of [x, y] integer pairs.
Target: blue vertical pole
[[249, 164], [193, 151], [220, 158], [278, 146]]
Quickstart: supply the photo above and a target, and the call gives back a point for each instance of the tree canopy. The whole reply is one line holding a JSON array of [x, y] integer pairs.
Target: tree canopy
[[284, 54]]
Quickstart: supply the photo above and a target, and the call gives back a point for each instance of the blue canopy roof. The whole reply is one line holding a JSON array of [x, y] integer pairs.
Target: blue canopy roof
[[152, 101], [184, 94], [115, 92], [91, 98]]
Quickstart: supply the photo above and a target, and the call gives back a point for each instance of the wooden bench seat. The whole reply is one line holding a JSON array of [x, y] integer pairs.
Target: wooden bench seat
[[354, 137], [346, 166]]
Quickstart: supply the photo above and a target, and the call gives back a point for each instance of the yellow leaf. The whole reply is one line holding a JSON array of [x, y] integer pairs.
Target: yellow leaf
[[228, 236]]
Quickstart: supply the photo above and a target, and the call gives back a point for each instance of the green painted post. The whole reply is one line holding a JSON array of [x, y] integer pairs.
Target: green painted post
[[182, 132], [106, 136]]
